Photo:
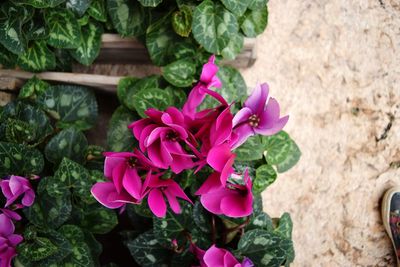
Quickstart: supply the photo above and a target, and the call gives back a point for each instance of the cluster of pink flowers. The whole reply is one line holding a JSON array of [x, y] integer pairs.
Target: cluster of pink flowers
[[13, 189], [174, 140]]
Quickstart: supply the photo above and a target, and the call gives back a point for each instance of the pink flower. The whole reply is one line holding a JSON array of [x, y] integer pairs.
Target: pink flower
[[158, 188], [8, 240], [125, 184], [218, 257], [16, 187], [208, 79], [162, 136], [233, 200], [259, 115]]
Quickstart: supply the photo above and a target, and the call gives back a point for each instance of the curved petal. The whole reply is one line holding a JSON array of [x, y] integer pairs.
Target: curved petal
[[227, 170], [132, 183], [270, 114], [138, 126], [242, 116], [159, 155], [103, 192], [277, 126], [212, 201], [214, 257], [235, 205], [256, 101], [173, 201], [212, 183], [230, 260], [118, 175], [155, 135], [209, 70], [157, 203], [15, 184], [28, 198], [218, 156], [177, 191], [144, 135], [110, 163], [242, 132], [6, 225]]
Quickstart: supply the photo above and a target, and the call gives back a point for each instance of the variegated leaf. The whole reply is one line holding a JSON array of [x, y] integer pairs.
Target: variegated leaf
[[79, 7], [182, 21], [128, 17], [38, 57], [150, 3], [97, 10], [237, 7], [152, 98], [89, 47], [257, 4], [119, 137], [234, 47], [254, 21], [213, 26], [265, 176], [64, 29], [180, 73], [41, 3]]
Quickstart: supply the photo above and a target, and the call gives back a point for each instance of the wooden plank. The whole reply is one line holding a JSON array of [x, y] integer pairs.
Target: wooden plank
[[103, 82], [118, 50]]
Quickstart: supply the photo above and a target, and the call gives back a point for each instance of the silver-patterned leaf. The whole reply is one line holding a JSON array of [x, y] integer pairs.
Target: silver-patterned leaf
[[182, 21], [41, 3], [150, 3], [97, 10], [37, 57], [234, 47], [128, 17], [153, 98], [119, 137], [265, 176], [254, 21], [79, 7], [213, 26], [64, 29], [90, 44], [180, 73], [237, 7]]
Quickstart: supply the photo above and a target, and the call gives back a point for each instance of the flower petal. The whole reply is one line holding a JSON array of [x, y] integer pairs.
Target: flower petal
[[157, 203], [132, 183], [242, 116], [256, 101], [218, 156], [105, 193]]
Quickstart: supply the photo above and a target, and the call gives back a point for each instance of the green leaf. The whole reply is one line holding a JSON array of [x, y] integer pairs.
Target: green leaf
[[71, 175], [64, 248], [265, 176], [128, 89], [97, 10], [201, 217], [64, 29], [119, 137], [254, 21], [19, 160], [37, 57], [237, 7], [180, 73], [18, 131], [41, 3], [35, 29], [12, 19], [81, 255], [173, 225], [260, 220], [90, 43], [178, 95], [38, 249], [33, 87], [150, 3], [79, 7], [182, 21], [213, 26], [70, 105], [151, 98], [47, 210], [264, 248], [128, 17], [285, 226], [147, 251], [160, 41], [251, 150], [234, 47], [281, 151], [69, 143], [7, 59], [257, 4], [98, 219], [124, 85], [63, 60]]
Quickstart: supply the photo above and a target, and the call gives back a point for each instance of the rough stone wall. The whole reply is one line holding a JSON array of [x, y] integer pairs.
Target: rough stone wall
[[334, 65]]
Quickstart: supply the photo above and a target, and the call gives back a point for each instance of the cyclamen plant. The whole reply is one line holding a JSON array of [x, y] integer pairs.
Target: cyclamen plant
[[173, 141]]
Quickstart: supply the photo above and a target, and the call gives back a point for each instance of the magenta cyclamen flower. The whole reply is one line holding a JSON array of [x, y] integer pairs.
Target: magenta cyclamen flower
[[233, 200], [124, 185], [162, 136], [218, 257], [158, 188], [15, 187], [260, 115], [208, 79], [8, 240]]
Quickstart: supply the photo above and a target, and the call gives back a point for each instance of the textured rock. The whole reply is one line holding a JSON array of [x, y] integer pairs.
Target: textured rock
[[334, 66]]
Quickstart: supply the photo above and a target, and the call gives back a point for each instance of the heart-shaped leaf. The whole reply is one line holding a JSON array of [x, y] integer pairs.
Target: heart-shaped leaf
[[37, 57], [64, 29], [90, 43], [182, 21], [152, 98], [254, 21], [180, 73]]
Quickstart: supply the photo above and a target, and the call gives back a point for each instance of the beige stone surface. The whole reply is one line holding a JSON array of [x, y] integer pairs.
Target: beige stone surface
[[334, 65]]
